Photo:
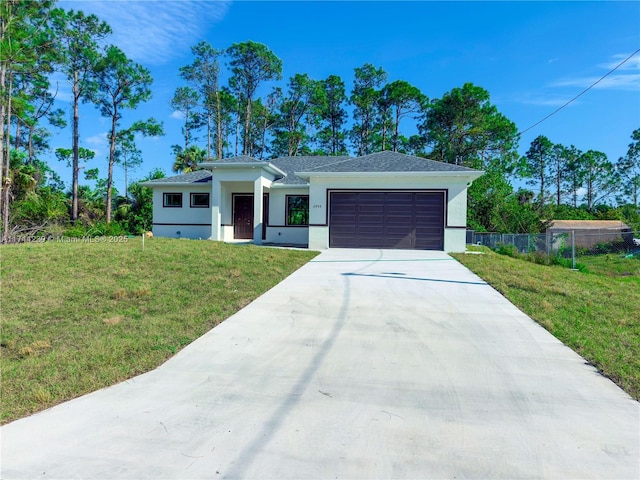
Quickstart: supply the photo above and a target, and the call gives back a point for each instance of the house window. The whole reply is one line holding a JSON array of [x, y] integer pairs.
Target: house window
[[172, 200], [297, 209], [199, 200]]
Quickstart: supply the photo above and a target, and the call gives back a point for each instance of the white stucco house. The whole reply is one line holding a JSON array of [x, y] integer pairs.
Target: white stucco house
[[382, 200]]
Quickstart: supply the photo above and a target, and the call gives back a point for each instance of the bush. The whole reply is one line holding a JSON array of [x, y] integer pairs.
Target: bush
[[98, 229], [507, 249], [538, 257]]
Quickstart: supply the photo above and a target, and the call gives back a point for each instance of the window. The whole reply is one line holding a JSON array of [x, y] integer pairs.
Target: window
[[199, 200], [173, 200], [297, 209]]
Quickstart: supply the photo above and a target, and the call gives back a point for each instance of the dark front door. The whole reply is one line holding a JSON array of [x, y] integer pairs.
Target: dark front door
[[243, 216]]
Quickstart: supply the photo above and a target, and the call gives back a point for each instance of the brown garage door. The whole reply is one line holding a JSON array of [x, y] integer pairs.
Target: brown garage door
[[407, 220]]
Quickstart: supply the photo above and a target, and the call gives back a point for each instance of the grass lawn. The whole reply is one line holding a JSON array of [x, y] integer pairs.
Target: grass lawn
[[76, 317], [597, 313]]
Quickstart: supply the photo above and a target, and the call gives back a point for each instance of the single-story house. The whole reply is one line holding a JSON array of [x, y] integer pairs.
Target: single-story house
[[589, 233], [382, 200]]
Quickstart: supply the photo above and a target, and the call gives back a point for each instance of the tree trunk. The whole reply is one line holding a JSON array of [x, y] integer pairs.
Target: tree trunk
[[397, 127], [30, 144], [6, 193], [3, 70], [76, 150], [247, 121], [112, 158], [218, 126], [16, 140], [541, 188], [237, 132]]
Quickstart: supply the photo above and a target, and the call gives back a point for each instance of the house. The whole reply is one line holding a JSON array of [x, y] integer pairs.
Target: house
[[382, 200], [589, 233]]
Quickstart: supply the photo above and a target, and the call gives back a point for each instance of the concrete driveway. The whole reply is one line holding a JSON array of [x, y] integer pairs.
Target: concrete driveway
[[363, 364]]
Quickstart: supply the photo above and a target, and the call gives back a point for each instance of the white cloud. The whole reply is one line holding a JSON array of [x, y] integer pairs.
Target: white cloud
[[177, 114], [544, 100], [626, 77], [97, 143], [153, 32], [632, 64], [97, 140]]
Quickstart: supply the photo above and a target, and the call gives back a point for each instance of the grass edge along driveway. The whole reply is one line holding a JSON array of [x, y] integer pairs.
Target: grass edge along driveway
[[595, 314], [77, 317]]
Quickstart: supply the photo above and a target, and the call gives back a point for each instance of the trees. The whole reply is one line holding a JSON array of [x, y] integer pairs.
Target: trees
[[364, 98], [332, 116], [203, 75], [187, 160], [404, 99], [121, 84], [538, 158], [77, 37], [137, 217], [628, 169], [599, 177], [464, 128], [294, 115], [128, 156], [186, 100], [25, 51], [251, 64]]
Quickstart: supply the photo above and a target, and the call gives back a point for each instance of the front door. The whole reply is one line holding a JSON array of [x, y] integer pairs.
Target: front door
[[243, 216]]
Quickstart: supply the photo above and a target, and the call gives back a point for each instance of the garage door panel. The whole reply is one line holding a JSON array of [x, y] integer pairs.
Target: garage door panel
[[390, 219]]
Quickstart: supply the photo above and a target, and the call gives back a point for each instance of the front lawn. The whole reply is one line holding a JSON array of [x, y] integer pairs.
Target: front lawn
[[77, 317], [597, 313]]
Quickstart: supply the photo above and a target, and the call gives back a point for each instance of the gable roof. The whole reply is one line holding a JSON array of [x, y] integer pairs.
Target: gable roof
[[303, 163], [199, 176], [242, 161], [388, 162], [296, 170]]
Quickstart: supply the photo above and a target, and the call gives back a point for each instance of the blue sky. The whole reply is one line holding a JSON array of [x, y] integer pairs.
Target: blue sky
[[532, 57]]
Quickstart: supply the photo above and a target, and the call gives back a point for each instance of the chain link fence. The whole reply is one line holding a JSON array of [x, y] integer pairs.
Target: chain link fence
[[571, 244]]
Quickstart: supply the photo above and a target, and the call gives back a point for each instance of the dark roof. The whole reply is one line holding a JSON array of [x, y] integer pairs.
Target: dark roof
[[376, 162], [238, 159], [199, 176], [290, 165], [388, 162]]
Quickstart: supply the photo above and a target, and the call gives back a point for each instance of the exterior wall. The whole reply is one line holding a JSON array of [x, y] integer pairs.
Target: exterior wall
[[277, 229], [456, 208], [196, 222], [185, 221], [182, 231]]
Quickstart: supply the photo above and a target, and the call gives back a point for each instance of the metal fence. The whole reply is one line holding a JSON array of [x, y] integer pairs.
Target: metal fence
[[565, 244]]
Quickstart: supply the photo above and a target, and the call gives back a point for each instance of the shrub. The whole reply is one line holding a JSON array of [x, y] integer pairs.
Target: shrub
[[507, 249]]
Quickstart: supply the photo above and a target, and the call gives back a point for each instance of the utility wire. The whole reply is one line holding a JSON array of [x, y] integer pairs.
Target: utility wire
[[582, 92]]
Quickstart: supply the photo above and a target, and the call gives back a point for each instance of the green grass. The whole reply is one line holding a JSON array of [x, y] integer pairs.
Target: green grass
[[80, 316], [597, 313]]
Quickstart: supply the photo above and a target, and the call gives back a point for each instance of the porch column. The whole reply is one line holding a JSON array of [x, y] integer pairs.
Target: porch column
[[258, 206], [216, 198]]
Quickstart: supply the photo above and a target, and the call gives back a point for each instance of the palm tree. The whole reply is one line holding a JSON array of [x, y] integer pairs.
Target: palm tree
[[187, 160]]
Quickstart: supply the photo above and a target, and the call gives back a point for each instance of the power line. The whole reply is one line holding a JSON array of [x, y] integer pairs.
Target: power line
[[581, 93]]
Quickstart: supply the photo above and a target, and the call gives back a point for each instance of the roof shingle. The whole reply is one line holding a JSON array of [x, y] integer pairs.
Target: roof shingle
[[199, 176]]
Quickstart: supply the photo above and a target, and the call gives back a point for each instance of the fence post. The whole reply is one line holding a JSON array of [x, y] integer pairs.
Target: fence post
[[573, 249]]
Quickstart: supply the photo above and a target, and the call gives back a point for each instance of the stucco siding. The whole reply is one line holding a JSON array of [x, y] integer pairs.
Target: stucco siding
[[181, 222], [182, 231], [454, 187]]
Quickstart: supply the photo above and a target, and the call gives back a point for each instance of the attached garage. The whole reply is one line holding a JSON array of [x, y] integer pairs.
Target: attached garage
[[387, 219]]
